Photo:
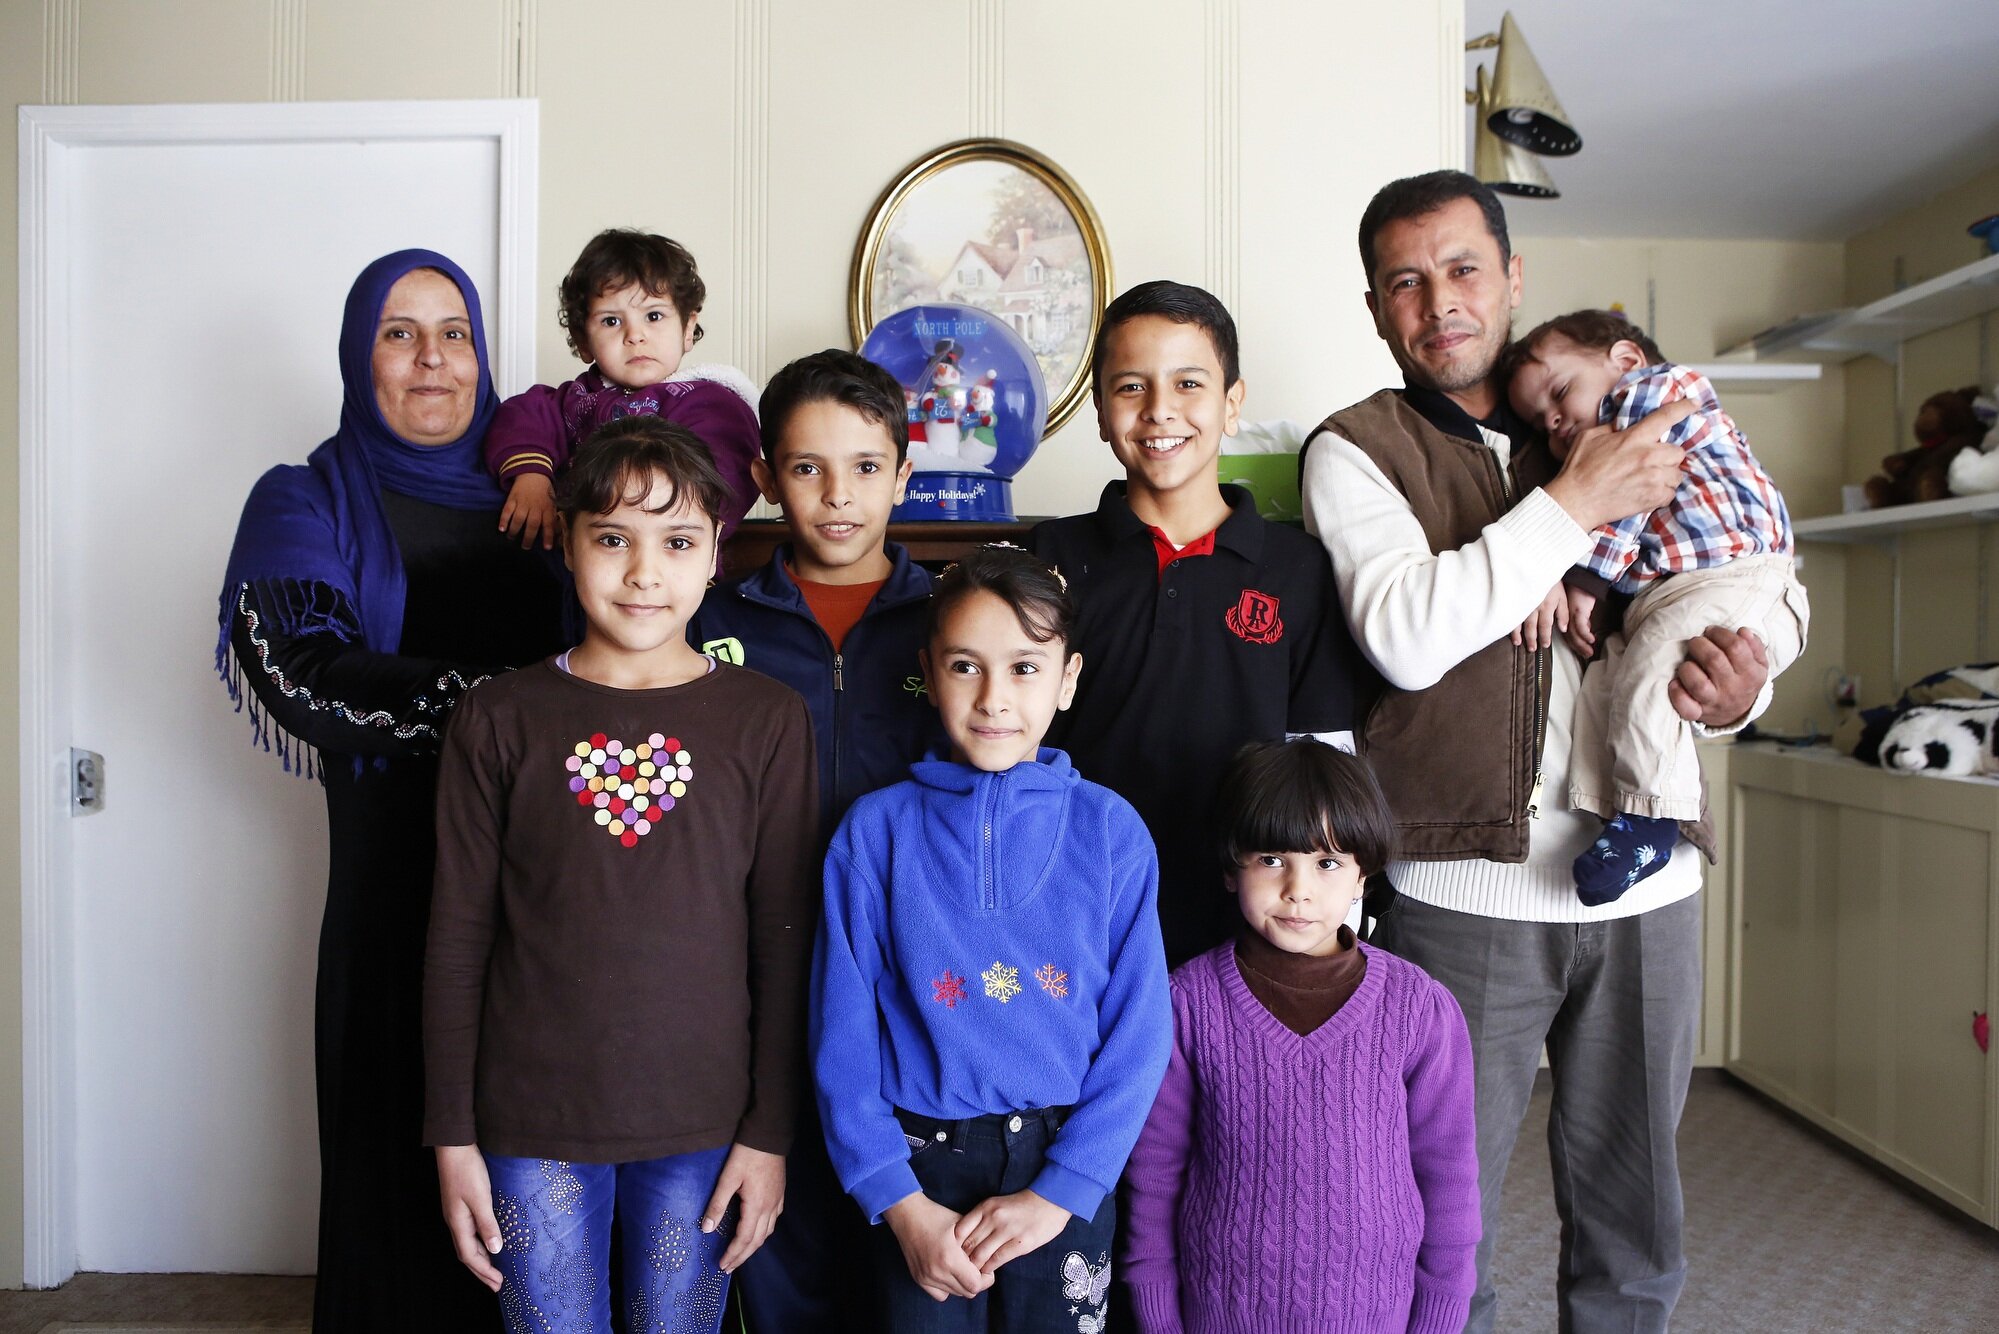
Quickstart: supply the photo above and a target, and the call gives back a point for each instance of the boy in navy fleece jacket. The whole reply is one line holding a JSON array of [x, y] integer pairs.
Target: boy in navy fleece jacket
[[839, 612], [838, 615]]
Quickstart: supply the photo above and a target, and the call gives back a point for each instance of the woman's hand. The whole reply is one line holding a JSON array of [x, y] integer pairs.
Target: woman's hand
[[756, 1179], [1007, 1227], [1541, 625], [467, 1194], [530, 508], [926, 1230]]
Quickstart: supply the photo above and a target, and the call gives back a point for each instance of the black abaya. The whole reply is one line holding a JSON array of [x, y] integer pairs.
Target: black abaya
[[475, 604]]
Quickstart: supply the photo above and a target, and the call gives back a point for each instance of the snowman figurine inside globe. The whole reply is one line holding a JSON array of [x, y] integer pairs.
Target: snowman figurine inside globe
[[977, 406]]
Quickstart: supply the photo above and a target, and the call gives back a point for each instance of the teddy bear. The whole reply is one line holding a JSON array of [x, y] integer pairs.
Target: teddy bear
[[1956, 737], [1946, 425], [1976, 471]]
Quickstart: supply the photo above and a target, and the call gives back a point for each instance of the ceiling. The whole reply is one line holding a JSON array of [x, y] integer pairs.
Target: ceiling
[[1756, 118]]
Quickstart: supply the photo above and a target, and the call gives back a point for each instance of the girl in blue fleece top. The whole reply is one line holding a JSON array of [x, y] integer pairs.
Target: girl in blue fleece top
[[992, 1017]]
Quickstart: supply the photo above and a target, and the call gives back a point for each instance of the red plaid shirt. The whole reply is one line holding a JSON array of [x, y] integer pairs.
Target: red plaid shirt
[[1726, 506]]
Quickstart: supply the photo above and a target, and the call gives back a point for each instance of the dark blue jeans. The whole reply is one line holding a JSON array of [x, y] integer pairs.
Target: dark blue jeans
[[1063, 1286], [555, 1234]]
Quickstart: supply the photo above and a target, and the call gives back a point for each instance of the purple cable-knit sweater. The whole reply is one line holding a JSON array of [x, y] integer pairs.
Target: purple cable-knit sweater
[[1327, 1181]]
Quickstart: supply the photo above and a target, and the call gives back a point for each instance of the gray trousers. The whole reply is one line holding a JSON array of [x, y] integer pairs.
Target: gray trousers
[[1617, 1004]]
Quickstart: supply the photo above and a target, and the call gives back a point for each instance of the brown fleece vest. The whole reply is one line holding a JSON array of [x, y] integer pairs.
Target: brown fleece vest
[[1458, 761]]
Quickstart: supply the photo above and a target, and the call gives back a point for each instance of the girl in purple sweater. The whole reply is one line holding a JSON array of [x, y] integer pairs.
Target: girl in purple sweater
[[1309, 1162]]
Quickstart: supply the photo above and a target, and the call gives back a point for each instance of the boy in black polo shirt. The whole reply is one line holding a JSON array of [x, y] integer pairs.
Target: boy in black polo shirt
[[1203, 626]]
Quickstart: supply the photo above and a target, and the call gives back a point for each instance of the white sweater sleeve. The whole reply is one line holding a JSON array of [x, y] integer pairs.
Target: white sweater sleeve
[[1418, 613]]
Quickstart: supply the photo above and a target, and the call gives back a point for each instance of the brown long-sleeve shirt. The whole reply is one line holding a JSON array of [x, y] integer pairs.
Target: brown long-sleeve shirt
[[620, 934]]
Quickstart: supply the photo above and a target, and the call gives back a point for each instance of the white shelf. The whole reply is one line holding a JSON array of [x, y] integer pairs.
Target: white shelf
[[1831, 757], [1875, 525], [1753, 377], [1879, 329]]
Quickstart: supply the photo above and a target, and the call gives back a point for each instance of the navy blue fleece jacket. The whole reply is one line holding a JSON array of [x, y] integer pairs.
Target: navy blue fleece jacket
[[871, 716]]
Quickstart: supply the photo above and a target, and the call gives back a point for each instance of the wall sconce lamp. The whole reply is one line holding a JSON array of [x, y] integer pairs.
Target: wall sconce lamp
[[1518, 117]]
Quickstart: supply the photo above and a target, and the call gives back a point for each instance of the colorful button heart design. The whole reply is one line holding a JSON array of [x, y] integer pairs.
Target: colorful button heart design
[[629, 787]]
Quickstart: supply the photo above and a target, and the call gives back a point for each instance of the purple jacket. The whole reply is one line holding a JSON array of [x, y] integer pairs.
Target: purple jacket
[[1327, 1181], [538, 431]]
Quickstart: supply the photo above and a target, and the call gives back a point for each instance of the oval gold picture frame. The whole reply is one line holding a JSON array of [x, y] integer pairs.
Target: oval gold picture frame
[[1031, 284]]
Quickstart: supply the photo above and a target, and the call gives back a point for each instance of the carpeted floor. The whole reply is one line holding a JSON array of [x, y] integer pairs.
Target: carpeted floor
[[1788, 1233], [183, 1303]]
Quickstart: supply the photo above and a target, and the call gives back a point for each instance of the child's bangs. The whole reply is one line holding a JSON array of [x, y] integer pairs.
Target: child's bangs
[[1289, 819], [1303, 796], [637, 485], [643, 462], [1037, 621], [655, 281]]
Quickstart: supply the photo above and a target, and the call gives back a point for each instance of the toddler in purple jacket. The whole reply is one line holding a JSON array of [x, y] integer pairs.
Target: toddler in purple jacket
[[1310, 1161], [631, 305]]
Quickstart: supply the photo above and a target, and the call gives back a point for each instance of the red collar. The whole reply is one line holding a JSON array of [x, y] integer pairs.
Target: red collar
[[1163, 548]]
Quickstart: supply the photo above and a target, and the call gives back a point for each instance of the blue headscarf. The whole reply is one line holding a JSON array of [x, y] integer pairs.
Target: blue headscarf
[[323, 522]]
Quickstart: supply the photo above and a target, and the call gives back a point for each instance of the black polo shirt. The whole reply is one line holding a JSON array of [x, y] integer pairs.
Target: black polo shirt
[[1182, 666]]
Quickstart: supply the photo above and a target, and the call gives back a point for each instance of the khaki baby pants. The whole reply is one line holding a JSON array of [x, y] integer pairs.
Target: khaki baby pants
[[1632, 752]]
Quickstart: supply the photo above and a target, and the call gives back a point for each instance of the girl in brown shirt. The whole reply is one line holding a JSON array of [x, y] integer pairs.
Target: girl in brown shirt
[[621, 927]]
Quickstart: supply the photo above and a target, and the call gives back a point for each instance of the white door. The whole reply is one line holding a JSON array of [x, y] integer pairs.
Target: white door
[[194, 265]]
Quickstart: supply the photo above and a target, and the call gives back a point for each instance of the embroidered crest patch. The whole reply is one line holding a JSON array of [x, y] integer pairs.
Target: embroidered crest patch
[[629, 788], [1254, 618]]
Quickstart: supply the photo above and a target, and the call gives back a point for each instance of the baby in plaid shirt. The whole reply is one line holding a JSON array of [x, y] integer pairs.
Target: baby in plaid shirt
[[1719, 554]]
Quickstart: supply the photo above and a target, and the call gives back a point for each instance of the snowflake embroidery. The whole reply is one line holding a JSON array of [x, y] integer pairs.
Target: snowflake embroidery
[[948, 989], [1002, 982], [1053, 980]]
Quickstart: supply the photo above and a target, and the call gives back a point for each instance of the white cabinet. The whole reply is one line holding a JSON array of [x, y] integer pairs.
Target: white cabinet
[[1863, 945]]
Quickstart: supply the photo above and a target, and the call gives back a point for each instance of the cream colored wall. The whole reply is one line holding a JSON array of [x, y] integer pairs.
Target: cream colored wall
[[1944, 599], [1698, 296], [1203, 152], [759, 133]]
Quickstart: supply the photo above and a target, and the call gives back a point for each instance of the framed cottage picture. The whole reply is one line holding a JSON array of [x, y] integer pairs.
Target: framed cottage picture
[[993, 224]]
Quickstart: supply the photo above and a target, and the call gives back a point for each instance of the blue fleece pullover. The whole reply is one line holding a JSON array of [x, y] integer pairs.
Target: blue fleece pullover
[[991, 944], [871, 716]]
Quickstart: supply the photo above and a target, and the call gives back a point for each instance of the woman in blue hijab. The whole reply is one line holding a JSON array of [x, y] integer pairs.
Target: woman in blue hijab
[[367, 590]]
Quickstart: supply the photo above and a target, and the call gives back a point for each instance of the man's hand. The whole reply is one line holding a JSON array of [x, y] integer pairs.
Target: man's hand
[[1581, 607], [466, 1191], [1612, 475], [1724, 672], [926, 1230], [1541, 625], [530, 509], [756, 1179], [1007, 1227]]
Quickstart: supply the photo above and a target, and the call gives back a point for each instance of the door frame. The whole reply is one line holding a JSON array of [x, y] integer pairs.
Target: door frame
[[51, 142]]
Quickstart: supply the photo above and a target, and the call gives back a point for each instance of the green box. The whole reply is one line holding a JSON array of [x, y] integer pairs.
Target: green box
[[1271, 478]]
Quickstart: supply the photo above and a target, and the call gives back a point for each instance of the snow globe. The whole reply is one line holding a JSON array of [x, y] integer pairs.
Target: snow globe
[[976, 402]]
